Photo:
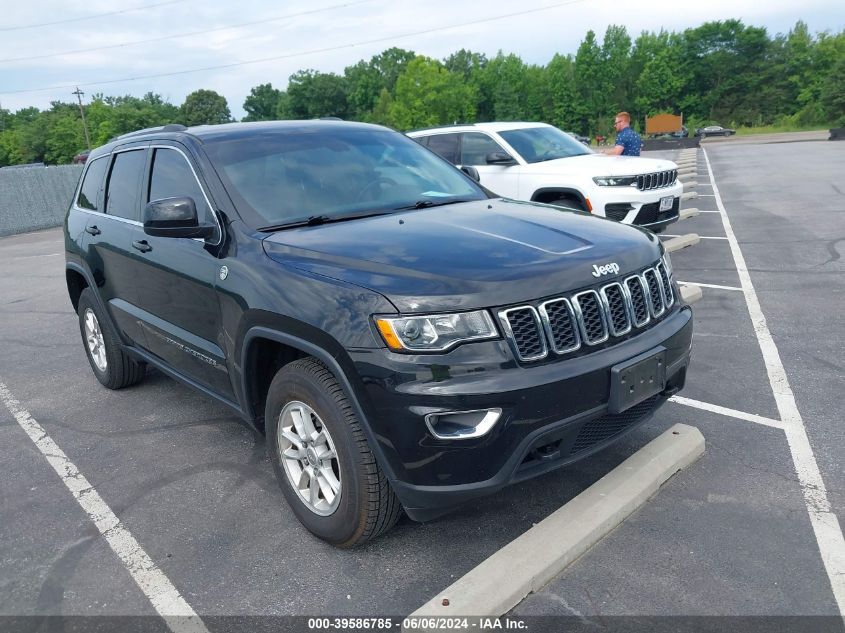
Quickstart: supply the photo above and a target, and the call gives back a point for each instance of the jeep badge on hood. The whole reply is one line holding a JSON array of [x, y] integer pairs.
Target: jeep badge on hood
[[612, 267]]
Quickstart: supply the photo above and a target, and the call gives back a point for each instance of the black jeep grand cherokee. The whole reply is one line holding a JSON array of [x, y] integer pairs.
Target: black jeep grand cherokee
[[405, 339]]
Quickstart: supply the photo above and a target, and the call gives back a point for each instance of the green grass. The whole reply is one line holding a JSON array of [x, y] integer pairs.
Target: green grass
[[777, 129]]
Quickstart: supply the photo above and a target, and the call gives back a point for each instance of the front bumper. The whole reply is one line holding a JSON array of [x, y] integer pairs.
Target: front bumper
[[629, 205], [553, 413]]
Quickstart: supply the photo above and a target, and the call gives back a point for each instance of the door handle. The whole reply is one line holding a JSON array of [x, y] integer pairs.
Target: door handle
[[142, 245], [93, 230]]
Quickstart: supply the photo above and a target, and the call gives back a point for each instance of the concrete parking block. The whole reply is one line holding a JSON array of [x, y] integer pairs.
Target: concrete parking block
[[680, 242], [686, 214], [691, 293], [535, 558], [688, 195]]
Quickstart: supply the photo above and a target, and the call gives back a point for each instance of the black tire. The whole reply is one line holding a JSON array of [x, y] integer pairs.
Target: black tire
[[726, 133], [569, 203], [119, 370], [367, 505]]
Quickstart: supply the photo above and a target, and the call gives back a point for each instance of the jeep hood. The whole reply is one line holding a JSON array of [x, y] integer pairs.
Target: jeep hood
[[464, 256], [600, 165]]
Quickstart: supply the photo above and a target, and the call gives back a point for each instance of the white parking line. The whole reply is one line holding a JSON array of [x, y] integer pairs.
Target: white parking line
[[733, 413], [33, 256], [703, 237], [825, 524], [177, 614], [716, 286]]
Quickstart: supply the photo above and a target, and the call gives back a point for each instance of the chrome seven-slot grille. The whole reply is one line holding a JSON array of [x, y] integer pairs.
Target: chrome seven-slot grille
[[656, 180], [591, 317]]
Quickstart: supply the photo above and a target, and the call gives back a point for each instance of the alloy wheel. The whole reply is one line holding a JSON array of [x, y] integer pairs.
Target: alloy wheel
[[309, 458], [94, 339]]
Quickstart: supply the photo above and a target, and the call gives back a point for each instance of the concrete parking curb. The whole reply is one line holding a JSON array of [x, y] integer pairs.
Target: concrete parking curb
[[682, 241], [691, 293], [689, 195], [529, 562], [686, 214]]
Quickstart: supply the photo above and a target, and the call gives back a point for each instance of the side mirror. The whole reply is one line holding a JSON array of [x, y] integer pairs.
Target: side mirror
[[500, 158], [471, 171], [175, 217]]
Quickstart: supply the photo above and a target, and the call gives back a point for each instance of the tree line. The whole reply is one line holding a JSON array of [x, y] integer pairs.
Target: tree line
[[720, 72]]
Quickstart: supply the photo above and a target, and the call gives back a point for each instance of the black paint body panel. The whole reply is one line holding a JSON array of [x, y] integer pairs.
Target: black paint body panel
[[198, 310]]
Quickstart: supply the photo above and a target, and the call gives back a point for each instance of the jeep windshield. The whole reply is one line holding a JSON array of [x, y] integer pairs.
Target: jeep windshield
[[305, 177], [538, 144]]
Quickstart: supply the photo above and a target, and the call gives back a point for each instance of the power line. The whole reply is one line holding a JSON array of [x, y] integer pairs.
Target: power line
[[299, 53], [87, 17], [185, 34]]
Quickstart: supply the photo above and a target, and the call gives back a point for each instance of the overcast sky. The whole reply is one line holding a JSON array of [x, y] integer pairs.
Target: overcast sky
[[326, 35]]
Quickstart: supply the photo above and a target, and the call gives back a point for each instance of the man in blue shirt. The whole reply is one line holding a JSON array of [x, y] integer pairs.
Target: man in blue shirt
[[628, 142]]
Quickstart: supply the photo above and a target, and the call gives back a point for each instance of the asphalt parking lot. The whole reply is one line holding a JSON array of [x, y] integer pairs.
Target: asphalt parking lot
[[737, 533]]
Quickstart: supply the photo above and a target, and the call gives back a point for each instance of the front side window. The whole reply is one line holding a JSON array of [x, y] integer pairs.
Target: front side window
[[476, 147], [125, 183], [538, 144], [172, 177], [335, 172], [89, 193]]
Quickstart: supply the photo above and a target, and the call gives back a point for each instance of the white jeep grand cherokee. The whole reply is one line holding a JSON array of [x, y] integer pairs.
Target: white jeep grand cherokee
[[536, 161]]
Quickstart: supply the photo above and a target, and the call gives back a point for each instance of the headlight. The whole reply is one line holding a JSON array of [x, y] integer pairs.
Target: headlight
[[435, 332], [615, 181]]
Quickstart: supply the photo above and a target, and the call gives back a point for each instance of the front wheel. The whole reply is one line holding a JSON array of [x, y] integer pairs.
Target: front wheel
[[323, 462], [570, 204]]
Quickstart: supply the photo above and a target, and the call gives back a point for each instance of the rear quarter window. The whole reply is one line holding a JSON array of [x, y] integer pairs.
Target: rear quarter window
[[91, 183]]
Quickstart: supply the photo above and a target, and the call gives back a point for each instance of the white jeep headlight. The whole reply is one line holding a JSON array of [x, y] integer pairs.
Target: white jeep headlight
[[615, 181], [435, 332]]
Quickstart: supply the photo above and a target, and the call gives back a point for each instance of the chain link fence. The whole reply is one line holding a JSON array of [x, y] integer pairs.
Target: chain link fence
[[33, 198]]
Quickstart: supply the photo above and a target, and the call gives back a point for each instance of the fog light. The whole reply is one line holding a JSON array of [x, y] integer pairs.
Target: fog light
[[462, 425]]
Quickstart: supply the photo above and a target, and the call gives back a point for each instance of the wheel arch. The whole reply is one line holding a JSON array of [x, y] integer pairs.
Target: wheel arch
[[550, 194], [78, 279], [76, 283], [275, 349], [268, 349]]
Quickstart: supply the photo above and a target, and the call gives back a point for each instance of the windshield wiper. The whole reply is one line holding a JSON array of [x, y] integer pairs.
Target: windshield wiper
[[316, 220], [425, 204]]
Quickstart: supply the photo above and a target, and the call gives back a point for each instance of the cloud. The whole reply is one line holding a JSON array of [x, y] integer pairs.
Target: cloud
[[536, 37]]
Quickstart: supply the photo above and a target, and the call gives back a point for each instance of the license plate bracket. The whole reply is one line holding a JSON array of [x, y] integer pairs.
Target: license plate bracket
[[637, 379], [666, 202]]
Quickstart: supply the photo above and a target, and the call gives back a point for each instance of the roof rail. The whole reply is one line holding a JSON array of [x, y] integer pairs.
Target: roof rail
[[170, 127]]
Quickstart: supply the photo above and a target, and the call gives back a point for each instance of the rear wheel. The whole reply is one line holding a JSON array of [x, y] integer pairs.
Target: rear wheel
[[323, 462], [111, 365]]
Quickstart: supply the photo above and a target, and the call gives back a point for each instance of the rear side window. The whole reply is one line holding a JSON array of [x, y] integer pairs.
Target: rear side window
[[125, 184], [446, 145], [90, 190], [172, 177], [476, 147]]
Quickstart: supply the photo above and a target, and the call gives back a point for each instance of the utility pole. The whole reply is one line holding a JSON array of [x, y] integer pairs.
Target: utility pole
[[79, 94]]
